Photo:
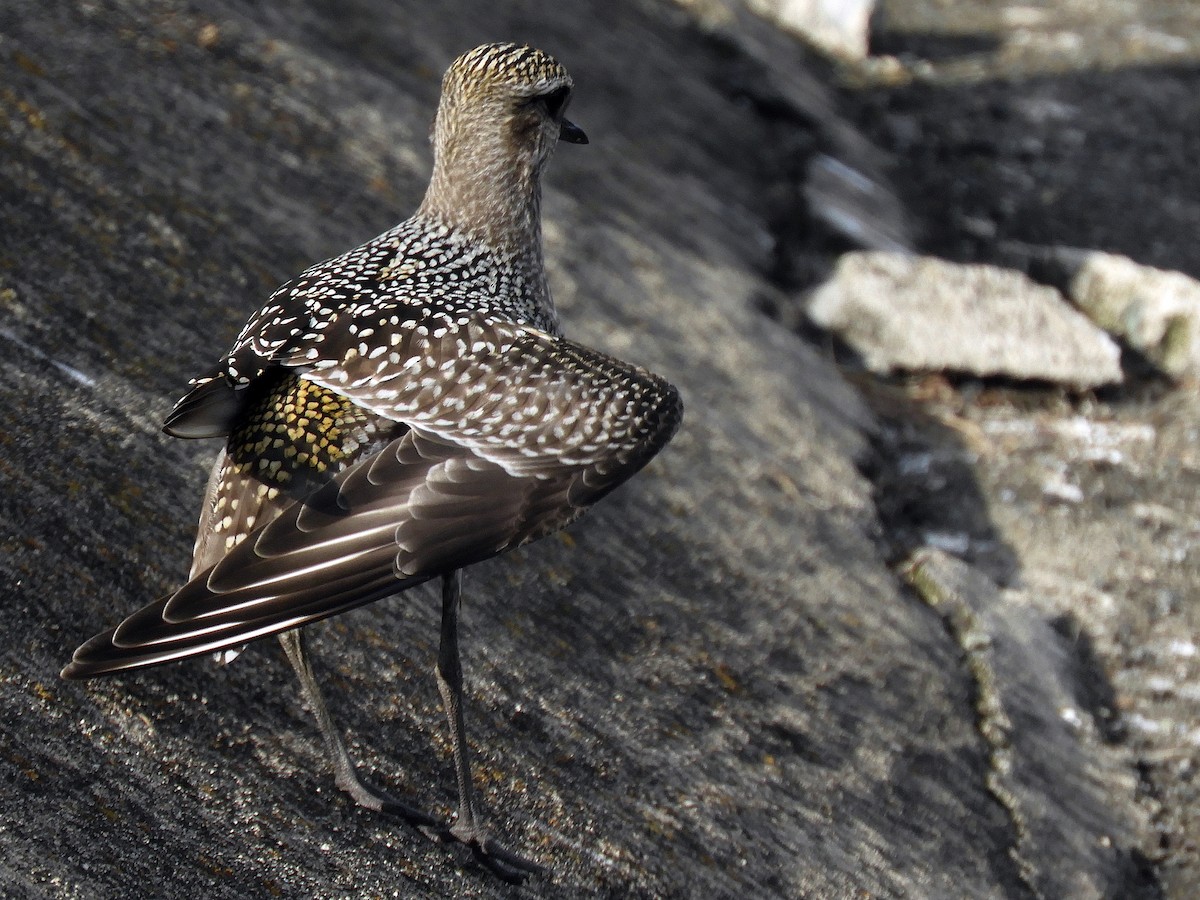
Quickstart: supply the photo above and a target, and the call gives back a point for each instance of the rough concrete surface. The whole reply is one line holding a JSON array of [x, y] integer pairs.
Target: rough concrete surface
[[720, 684]]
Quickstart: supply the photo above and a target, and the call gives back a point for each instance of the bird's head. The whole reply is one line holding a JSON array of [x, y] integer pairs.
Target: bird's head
[[507, 100]]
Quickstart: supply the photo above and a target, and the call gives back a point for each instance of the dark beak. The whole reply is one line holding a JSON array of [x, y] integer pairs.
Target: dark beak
[[571, 133]]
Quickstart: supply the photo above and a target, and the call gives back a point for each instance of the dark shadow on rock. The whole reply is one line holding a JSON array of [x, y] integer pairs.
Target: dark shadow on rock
[[932, 47], [1093, 688], [926, 487], [1088, 159]]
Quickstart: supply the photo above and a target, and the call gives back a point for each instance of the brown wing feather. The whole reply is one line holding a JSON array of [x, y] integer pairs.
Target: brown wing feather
[[509, 441], [518, 396]]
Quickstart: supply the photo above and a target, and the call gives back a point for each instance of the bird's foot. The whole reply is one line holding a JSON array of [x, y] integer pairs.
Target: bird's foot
[[370, 797], [501, 861]]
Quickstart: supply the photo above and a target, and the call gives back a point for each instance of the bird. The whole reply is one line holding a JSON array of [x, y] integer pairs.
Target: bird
[[398, 413]]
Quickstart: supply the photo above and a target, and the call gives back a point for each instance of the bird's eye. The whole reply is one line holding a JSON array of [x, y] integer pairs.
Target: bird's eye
[[556, 101]]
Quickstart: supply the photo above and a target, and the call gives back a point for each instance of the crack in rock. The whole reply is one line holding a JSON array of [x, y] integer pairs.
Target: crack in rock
[[1048, 764]]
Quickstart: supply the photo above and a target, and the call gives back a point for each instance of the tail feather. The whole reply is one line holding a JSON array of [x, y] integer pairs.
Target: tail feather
[[155, 640]]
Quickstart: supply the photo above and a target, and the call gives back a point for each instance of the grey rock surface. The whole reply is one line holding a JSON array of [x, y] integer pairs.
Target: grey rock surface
[[716, 685], [909, 313], [826, 183], [1088, 515], [858, 207], [1030, 721]]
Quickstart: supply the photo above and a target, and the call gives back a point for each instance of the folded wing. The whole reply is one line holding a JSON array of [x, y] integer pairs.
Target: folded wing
[[512, 433]]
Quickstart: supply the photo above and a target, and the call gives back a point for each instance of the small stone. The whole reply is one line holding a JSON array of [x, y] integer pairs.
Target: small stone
[[1154, 310], [912, 313], [838, 28], [208, 36]]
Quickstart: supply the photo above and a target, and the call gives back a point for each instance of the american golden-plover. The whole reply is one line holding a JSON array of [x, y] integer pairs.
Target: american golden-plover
[[400, 412]]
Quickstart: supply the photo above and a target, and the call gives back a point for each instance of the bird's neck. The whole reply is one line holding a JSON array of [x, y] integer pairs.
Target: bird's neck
[[493, 193]]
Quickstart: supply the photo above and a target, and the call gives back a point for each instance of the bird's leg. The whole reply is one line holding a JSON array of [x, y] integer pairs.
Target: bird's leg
[[468, 827], [449, 679], [345, 773]]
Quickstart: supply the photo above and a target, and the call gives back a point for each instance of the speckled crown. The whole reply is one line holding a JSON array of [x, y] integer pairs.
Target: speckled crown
[[516, 65]]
